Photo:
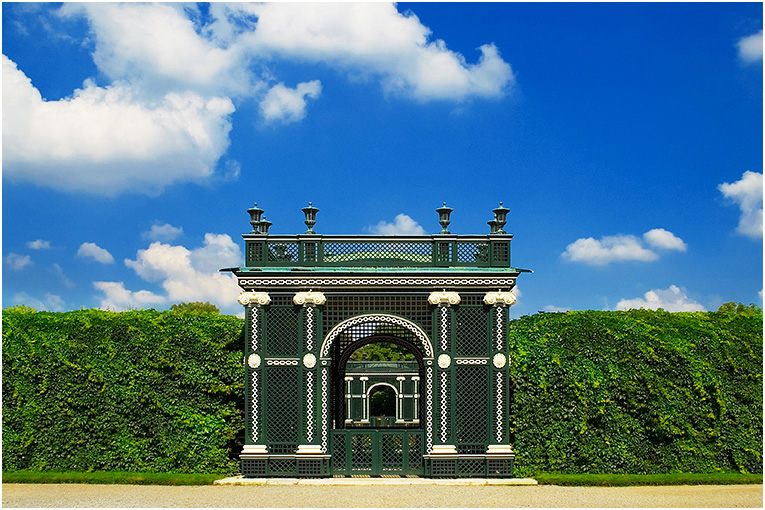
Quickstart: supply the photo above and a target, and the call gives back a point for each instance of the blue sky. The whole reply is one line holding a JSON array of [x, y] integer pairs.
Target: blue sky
[[626, 139]]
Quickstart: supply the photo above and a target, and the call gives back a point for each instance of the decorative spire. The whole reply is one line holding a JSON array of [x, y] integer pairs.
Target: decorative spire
[[443, 217], [310, 217], [255, 212], [500, 216]]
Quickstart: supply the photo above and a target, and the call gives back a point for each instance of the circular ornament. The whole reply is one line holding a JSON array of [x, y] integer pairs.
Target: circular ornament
[[444, 361], [499, 360], [253, 361], [309, 360]]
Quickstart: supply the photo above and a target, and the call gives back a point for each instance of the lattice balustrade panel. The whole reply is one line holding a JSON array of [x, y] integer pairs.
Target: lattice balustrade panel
[[253, 468], [347, 253], [282, 331], [472, 425], [415, 452], [310, 254], [361, 452], [392, 452], [338, 452], [254, 255], [471, 467], [283, 252], [471, 331], [281, 415], [343, 306], [309, 467], [281, 299], [473, 252], [472, 449], [500, 467], [501, 252], [282, 466], [444, 468]]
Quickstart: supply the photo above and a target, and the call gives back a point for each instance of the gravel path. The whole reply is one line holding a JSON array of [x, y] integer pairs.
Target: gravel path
[[542, 496]]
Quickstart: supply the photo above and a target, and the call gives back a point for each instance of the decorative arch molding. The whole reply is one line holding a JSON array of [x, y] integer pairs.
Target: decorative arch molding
[[425, 343]]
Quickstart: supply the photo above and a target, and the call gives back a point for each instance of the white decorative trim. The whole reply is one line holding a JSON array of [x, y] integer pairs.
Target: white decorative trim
[[429, 409], [309, 449], [282, 362], [436, 298], [444, 361], [317, 298], [444, 406], [309, 328], [276, 281], [254, 327], [309, 360], [260, 298], [444, 328], [309, 405], [324, 410], [443, 449], [253, 361], [254, 449], [499, 407], [500, 449], [363, 319], [507, 298], [471, 361], [499, 360]]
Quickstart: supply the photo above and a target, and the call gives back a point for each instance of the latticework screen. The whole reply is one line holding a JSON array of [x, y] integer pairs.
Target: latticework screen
[[282, 331], [347, 253], [471, 422], [281, 419], [343, 306], [471, 331]]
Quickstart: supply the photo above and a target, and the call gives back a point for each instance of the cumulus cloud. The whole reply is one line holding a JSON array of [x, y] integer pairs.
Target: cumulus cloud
[[18, 262], [104, 140], [672, 299], [402, 225], [175, 74], [50, 302], [288, 105], [165, 232], [39, 244], [747, 194], [608, 249], [95, 252], [750, 48], [664, 239], [618, 248], [185, 275], [117, 297]]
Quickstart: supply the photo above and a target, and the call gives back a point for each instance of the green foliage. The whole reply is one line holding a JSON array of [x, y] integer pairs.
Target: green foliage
[[740, 308], [142, 391], [382, 351], [638, 392], [195, 307], [111, 477], [383, 402]]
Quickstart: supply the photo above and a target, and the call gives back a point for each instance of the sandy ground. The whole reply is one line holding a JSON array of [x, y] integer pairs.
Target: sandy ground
[[542, 496]]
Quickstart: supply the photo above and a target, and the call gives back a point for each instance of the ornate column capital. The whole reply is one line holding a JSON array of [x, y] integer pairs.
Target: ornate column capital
[[259, 298], [317, 298], [436, 298], [492, 298]]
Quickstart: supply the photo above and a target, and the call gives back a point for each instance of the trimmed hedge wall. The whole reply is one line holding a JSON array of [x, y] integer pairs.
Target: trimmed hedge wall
[[593, 392], [637, 392], [145, 391]]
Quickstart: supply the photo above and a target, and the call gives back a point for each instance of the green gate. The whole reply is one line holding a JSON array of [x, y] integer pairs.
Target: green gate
[[377, 452]]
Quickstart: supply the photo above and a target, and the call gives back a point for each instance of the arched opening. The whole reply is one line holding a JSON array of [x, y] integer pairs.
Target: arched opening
[[378, 384]]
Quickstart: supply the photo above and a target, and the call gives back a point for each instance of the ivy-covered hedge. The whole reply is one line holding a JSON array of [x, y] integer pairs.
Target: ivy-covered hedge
[[139, 391], [637, 392], [593, 392]]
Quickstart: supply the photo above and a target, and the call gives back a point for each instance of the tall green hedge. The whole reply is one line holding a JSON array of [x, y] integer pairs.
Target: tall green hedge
[[133, 391], [637, 392], [599, 392]]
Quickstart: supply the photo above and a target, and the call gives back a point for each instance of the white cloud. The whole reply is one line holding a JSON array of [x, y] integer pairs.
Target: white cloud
[[660, 238], [375, 39], [64, 280], [106, 141], [672, 299], [117, 297], [165, 232], [750, 48], [18, 262], [188, 275], [553, 308], [92, 250], [608, 249], [50, 302], [747, 193], [288, 105], [402, 225], [39, 244]]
